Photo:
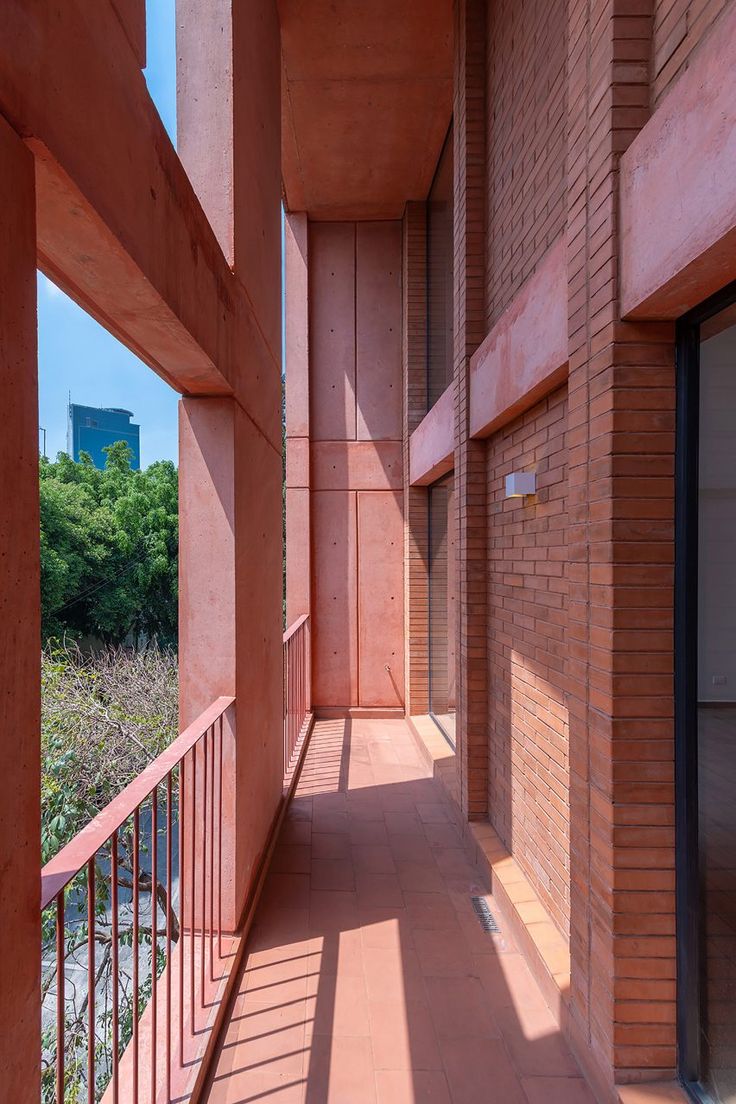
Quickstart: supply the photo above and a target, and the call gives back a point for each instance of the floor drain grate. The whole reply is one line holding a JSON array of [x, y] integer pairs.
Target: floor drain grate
[[485, 917]]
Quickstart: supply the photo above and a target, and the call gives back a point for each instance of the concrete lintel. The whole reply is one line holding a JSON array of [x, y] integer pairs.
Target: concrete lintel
[[432, 444], [678, 188], [524, 356]]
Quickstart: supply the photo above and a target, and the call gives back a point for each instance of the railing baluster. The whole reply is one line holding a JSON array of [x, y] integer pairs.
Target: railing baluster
[[212, 855], [202, 942], [91, 979], [60, 997], [154, 938], [136, 879], [193, 893], [180, 948], [169, 908], [219, 856], [115, 969]]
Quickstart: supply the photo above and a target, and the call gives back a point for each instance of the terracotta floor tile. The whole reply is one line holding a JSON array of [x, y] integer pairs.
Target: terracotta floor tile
[[393, 974], [403, 824], [419, 877], [557, 1090], [375, 858], [480, 1070], [338, 1007], [442, 834], [338, 952], [340, 1071], [429, 910], [412, 1087], [403, 1036], [459, 1008], [332, 874], [332, 911], [369, 979], [330, 845], [292, 858], [442, 954], [382, 890], [434, 812]]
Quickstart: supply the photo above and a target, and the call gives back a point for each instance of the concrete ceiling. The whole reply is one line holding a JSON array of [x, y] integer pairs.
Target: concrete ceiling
[[366, 103]]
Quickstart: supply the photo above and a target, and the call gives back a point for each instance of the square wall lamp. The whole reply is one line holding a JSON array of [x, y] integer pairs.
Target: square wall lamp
[[519, 484]]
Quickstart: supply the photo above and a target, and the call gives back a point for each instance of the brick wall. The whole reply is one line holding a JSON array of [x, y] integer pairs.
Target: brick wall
[[620, 575], [469, 135], [525, 141], [528, 768], [679, 25], [414, 373]]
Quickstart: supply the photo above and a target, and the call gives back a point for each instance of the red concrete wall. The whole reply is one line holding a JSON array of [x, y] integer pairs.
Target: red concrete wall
[[356, 469], [528, 756], [20, 640], [679, 26], [525, 119]]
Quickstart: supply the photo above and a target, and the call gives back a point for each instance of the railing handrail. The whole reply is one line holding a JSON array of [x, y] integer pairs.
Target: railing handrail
[[297, 625], [59, 871]]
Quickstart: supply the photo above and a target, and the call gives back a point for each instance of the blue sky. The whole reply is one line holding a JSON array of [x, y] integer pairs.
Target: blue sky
[[75, 353]]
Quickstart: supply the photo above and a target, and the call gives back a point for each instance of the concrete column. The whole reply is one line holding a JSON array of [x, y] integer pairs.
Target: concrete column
[[298, 558], [229, 137], [20, 814], [230, 612]]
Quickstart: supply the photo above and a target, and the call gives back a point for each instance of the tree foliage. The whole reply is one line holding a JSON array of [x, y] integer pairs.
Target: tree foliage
[[109, 545], [105, 716]]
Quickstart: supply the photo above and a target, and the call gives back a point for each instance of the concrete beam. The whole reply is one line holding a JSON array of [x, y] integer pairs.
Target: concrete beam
[[122, 231], [432, 444], [678, 188], [524, 357]]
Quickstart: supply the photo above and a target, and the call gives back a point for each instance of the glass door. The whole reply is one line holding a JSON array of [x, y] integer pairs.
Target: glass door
[[706, 701]]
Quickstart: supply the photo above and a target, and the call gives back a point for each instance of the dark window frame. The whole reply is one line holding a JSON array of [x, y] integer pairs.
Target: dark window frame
[[428, 290], [433, 486], [689, 942]]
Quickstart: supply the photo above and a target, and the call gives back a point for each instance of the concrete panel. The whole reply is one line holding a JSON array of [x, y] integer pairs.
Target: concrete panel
[[432, 444], [357, 465], [678, 188], [525, 355], [298, 556], [297, 462], [132, 14], [380, 598], [378, 330], [334, 598], [296, 325], [332, 331]]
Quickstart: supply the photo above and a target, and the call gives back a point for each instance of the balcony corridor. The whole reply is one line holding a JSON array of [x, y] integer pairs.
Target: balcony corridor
[[369, 979]]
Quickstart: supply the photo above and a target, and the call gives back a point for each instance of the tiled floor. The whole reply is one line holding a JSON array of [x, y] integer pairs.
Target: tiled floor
[[369, 979]]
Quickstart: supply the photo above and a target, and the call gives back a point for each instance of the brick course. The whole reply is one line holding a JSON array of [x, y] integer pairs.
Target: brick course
[[525, 141], [679, 26], [528, 772]]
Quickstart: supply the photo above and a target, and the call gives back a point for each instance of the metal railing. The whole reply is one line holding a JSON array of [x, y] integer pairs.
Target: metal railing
[[115, 899], [297, 684]]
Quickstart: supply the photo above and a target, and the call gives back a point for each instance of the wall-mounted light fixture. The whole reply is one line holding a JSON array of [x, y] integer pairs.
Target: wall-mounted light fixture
[[519, 484]]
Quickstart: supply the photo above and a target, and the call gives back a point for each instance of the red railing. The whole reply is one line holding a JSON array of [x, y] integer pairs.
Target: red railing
[[161, 839], [297, 685]]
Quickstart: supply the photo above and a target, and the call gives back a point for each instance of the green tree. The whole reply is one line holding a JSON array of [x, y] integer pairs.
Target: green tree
[[109, 547]]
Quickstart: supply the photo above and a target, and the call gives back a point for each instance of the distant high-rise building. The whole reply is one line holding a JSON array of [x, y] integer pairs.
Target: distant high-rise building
[[90, 429]]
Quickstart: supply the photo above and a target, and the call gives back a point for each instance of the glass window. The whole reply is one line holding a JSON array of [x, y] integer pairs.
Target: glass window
[[440, 216], [706, 677], [442, 606]]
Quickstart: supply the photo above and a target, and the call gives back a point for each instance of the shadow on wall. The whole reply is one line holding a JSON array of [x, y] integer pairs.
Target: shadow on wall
[[528, 635]]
